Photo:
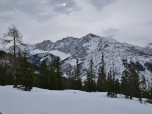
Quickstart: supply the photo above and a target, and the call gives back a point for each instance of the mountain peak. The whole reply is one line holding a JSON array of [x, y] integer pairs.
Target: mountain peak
[[149, 45], [92, 35], [47, 41], [45, 45]]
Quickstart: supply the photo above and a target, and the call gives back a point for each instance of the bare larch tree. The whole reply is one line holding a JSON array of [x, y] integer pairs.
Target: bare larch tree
[[13, 38]]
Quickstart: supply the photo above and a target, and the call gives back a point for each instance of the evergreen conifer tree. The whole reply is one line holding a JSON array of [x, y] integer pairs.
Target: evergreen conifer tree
[[130, 82], [143, 86], [149, 95], [59, 77], [101, 82], [109, 84], [2, 74], [84, 87], [125, 84], [91, 85], [25, 75], [117, 86], [77, 78], [113, 86], [43, 76], [6, 78], [113, 92], [133, 81], [69, 74], [52, 79]]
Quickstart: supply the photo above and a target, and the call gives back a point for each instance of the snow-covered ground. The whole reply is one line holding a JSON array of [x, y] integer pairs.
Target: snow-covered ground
[[41, 101]]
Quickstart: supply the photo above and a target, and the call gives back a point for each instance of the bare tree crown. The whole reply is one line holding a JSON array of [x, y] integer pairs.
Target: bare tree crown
[[13, 33]]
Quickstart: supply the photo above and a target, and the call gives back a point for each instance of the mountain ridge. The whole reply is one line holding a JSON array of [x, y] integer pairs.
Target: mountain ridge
[[116, 54], [93, 46]]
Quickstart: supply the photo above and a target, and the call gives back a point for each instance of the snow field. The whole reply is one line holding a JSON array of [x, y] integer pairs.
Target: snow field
[[54, 52], [41, 101]]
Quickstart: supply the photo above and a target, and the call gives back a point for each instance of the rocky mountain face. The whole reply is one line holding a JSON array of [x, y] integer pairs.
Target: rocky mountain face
[[38, 58], [116, 54], [149, 47]]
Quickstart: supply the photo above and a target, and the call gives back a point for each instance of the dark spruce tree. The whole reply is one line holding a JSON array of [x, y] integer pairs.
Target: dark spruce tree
[[91, 85], [84, 87], [2, 74], [133, 81], [143, 87], [58, 70], [101, 82], [6, 76], [52, 79], [77, 79], [43, 76], [149, 95], [113, 86], [113, 92], [117, 86], [24, 75], [109, 84], [130, 82], [70, 76], [125, 84]]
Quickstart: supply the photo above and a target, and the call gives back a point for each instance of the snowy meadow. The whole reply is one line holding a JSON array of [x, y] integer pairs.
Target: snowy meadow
[[42, 101]]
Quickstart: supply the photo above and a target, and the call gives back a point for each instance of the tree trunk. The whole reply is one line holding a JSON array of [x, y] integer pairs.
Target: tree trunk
[[130, 95], [69, 83], [14, 66]]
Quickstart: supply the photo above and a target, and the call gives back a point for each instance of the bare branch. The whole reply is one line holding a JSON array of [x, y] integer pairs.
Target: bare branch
[[15, 37]]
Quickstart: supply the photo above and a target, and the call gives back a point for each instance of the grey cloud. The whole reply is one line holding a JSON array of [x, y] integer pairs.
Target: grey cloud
[[57, 5], [100, 4], [16, 8], [36, 8], [20, 5], [110, 32]]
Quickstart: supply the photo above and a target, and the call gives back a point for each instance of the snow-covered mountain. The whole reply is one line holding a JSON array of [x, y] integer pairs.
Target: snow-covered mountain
[[149, 47], [116, 54]]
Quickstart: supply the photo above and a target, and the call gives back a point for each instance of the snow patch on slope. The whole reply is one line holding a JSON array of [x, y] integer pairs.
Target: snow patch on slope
[[37, 51], [60, 54], [54, 52]]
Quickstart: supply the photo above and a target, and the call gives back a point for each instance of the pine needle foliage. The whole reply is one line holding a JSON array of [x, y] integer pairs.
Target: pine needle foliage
[[25, 76]]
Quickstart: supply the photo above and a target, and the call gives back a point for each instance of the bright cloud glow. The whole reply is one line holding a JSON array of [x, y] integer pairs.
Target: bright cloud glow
[[64, 4]]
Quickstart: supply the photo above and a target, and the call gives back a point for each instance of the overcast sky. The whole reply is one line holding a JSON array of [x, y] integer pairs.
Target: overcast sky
[[124, 20]]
